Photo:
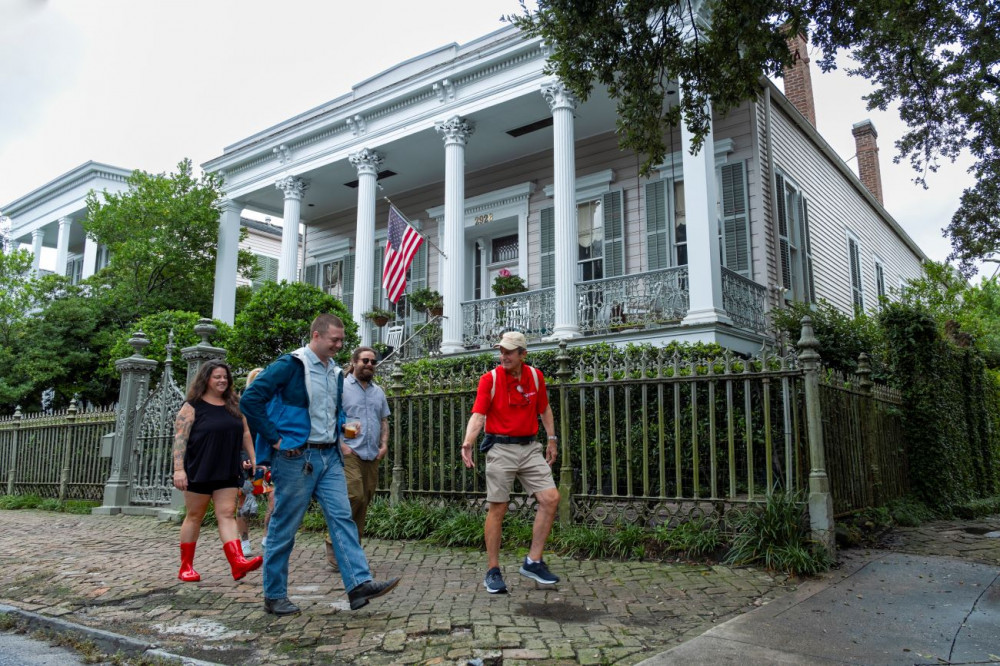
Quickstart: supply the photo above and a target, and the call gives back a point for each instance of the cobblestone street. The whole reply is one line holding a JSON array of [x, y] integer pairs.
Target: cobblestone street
[[118, 573]]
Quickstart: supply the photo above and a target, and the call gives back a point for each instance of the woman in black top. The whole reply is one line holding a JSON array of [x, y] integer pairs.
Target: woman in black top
[[208, 435]]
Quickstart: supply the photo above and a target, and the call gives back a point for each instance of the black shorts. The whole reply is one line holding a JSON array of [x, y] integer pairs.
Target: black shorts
[[209, 487]]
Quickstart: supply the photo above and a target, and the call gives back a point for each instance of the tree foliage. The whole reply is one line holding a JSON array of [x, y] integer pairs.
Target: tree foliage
[[162, 234], [939, 61], [17, 295], [276, 320]]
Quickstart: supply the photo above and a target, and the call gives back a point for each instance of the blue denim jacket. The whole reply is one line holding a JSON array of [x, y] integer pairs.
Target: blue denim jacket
[[276, 405]]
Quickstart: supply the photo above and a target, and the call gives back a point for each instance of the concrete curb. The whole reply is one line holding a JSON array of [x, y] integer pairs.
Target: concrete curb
[[107, 641]]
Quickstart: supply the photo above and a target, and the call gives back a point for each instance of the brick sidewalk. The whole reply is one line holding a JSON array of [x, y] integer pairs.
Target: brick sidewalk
[[118, 573]]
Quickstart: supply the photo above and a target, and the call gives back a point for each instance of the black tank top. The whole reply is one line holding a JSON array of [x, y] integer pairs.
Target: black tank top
[[213, 450]]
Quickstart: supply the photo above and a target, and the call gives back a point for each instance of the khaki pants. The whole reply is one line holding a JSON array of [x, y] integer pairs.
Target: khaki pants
[[362, 481]]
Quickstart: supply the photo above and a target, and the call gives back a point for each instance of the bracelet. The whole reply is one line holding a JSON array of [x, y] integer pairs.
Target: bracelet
[[553, 438]]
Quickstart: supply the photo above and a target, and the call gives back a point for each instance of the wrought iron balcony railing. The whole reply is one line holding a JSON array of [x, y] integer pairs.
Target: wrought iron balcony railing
[[745, 301]]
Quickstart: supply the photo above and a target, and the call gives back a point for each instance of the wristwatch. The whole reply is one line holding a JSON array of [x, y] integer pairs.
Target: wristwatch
[[553, 438]]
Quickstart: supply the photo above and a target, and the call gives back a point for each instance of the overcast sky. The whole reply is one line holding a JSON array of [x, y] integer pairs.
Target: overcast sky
[[143, 84]]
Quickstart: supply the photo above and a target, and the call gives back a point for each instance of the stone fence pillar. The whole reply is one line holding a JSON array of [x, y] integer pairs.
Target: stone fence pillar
[[821, 522], [135, 371], [565, 468], [396, 489], [12, 470], [201, 352]]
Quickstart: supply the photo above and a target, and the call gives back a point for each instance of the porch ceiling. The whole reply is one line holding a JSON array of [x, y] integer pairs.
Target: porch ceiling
[[418, 159]]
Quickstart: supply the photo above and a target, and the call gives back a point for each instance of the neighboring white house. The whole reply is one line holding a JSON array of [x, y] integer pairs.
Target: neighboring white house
[[501, 167], [52, 216]]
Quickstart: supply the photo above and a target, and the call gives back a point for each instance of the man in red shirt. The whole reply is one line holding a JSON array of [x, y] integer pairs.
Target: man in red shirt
[[509, 401]]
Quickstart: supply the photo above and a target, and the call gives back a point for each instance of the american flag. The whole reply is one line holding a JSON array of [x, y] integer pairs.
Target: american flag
[[404, 241]]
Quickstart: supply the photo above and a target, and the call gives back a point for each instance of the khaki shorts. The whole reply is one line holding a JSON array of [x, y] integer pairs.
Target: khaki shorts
[[525, 462]]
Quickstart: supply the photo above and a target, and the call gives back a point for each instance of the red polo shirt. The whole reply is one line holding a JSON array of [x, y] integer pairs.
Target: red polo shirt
[[516, 404]]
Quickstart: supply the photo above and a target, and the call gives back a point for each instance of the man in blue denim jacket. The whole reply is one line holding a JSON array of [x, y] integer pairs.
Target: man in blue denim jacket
[[295, 405]]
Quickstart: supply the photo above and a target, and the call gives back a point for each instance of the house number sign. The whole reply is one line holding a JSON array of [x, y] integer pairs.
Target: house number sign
[[483, 219]]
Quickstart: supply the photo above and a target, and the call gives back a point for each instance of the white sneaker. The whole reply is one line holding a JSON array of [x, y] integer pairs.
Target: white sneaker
[[247, 548], [263, 543]]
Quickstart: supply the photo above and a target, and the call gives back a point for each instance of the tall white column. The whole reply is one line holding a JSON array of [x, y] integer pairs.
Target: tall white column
[[288, 264], [224, 299], [456, 132], [89, 257], [36, 247], [62, 245], [367, 162], [563, 103], [701, 207]]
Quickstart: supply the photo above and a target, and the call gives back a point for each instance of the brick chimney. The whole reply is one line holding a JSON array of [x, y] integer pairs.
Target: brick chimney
[[866, 143], [798, 80]]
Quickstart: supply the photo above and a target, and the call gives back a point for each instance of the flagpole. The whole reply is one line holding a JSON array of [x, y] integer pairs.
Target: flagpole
[[426, 239]]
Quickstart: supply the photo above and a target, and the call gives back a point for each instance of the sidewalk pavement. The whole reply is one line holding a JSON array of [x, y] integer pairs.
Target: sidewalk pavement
[[934, 599], [118, 573]]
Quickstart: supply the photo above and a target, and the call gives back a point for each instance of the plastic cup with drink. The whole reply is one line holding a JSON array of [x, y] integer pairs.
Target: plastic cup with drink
[[352, 428]]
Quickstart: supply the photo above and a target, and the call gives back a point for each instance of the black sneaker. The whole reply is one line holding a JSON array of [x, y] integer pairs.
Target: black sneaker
[[494, 582], [538, 572], [362, 594]]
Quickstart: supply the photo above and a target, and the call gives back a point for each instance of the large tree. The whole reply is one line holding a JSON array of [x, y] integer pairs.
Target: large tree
[[938, 60], [162, 234]]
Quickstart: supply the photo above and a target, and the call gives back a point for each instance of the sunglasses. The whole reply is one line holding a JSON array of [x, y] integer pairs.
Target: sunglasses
[[367, 361]]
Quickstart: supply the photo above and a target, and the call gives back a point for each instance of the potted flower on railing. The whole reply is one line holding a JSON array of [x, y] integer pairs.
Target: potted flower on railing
[[380, 316], [426, 300], [507, 283]]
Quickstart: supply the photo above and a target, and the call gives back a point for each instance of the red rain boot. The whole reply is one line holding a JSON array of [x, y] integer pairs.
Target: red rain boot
[[187, 572], [239, 564]]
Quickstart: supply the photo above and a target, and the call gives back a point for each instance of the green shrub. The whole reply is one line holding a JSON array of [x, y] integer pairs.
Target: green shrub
[[773, 535], [696, 538], [986, 506], [11, 502], [627, 542], [462, 529], [909, 512], [517, 529], [582, 541]]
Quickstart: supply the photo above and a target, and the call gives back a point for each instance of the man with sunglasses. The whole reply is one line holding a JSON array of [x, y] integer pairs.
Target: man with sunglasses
[[508, 402], [364, 401]]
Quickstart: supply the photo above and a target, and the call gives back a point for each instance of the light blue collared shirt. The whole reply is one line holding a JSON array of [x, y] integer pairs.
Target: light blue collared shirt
[[322, 398]]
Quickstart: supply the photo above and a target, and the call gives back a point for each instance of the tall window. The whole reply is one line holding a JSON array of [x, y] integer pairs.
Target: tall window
[[880, 281], [335, 277], [854, 266], [590, 236], [600, 239], [792, 211]]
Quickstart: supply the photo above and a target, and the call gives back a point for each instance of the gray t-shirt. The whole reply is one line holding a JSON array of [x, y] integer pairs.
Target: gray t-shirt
[[369, 406]]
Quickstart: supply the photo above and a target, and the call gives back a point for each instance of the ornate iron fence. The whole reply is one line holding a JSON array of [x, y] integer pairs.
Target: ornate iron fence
[[654, 299], [531, 312], [152, 469], [56, 454], [744, 301], [866, 455], [645, 437]]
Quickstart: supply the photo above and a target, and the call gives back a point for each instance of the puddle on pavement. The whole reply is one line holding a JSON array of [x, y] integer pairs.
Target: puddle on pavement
[[987, 532], [561, 611], [201, 628]]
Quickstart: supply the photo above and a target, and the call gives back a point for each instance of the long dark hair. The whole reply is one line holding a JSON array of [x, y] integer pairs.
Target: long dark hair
[[199, 386]]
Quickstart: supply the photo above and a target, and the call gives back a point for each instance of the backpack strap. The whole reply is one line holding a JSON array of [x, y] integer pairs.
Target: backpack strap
[[493, 373]]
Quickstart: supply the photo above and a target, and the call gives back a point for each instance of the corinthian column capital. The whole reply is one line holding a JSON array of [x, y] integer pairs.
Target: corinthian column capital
[[559, 96], [366, 161], [293, 187], [455, 130]]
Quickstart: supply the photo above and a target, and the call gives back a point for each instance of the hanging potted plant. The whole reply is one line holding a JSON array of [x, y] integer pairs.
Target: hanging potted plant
[[507, 283], [426, 300], [380, 316]]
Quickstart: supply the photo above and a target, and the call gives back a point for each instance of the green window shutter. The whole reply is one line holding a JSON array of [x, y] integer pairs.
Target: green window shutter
[[548, 248], [348, 278], [614, 235], [784, 248], [735, 220], [312, 275], [807, 260], [657, 241], [418, 270]]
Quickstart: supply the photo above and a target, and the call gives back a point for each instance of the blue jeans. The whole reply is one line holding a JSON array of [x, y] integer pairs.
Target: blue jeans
[[295, 484]]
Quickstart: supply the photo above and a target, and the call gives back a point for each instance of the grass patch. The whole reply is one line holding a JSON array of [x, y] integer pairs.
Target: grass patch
[[696, 538], [14, 502]]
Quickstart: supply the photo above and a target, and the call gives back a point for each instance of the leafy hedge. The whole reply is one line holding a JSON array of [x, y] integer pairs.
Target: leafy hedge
[[951, 410]]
